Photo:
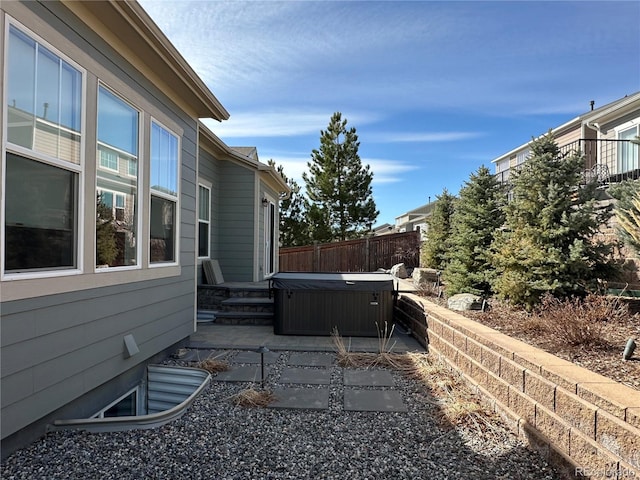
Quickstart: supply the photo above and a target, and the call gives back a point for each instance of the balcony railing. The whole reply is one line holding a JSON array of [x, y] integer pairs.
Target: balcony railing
[[606, 161]]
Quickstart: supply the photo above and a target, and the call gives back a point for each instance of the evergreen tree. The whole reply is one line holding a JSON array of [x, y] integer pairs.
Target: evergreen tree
[[338, 185], [477, 216], [548, 244], [627, 211], [434, 248], [294, 231]]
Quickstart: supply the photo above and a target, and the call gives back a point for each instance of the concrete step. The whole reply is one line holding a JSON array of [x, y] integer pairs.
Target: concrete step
[[244, 318], [205, 316], [247, 304]]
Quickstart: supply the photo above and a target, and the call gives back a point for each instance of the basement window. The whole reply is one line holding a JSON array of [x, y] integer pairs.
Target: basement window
[[126, 405]]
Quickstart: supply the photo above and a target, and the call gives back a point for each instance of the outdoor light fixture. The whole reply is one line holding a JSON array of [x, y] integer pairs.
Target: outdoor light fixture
[[262, 350], [265, 201]]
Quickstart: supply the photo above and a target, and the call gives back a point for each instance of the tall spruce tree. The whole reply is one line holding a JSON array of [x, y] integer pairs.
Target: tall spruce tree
[[548, 243], [627, 211], [294, 231], [338, 186], [434, 249], [478, 215]]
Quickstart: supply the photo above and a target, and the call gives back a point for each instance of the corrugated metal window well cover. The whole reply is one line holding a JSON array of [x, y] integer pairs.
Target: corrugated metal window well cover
[[169, 392]]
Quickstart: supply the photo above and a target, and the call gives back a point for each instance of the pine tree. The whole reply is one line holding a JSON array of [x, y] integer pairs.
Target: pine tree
[[294, 231], [548, 242], [627, 211], [477, 216], [338, 186], [434, 248]]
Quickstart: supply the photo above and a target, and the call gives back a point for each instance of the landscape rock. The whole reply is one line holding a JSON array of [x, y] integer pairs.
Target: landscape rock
[[423, 276], [399, 271], [464, 301]]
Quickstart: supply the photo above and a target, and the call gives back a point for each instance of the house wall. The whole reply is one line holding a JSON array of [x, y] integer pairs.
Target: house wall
[[571, 136], [209, 171], [62, 337], [236, 222]]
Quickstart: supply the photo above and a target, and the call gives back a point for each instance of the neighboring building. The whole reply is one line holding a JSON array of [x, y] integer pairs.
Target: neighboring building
[[384, 229], [112, 191], [415, 219], [602, 134]]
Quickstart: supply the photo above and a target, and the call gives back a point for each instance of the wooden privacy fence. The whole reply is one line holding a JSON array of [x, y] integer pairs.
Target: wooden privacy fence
[[361, 255]]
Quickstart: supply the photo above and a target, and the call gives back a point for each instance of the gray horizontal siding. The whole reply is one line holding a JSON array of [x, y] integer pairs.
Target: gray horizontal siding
[[236, 222], [58, 348]]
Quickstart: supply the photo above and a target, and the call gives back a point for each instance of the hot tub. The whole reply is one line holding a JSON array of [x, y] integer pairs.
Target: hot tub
[[316, 303]]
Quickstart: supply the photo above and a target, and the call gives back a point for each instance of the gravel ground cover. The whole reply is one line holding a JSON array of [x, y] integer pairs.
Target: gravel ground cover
[[217, 440]]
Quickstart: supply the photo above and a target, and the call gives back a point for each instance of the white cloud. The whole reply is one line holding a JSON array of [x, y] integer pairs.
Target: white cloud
[[387, 171], [384, 170], [284, 123]]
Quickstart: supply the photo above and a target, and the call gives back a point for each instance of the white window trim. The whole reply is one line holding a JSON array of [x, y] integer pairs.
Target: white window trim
[[139, 193], [79, 169], [268, 248], [136, 390], [166, 196], [205, 184]]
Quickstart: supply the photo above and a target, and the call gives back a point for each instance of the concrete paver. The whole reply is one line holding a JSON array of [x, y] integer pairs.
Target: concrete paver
[[242, 374], [219, 341], [301, 398], [305, 376], [311, 359], [361, 400], [254, 357], [368, 378]]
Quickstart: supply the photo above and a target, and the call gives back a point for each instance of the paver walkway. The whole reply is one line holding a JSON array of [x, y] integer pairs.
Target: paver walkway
[[310, 377]]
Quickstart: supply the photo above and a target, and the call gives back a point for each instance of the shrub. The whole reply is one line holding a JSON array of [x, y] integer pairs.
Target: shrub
[[577, 321], [548, 242]]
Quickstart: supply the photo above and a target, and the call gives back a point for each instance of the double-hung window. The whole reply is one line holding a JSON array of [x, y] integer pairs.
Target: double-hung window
[[163, 223], [44, 132], [117, 182], [204, 220]]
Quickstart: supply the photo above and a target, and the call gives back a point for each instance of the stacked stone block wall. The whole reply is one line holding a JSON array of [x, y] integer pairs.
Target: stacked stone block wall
[[583, 422]]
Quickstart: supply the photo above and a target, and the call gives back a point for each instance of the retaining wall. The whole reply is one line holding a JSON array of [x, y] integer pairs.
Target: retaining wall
[[583, 422]]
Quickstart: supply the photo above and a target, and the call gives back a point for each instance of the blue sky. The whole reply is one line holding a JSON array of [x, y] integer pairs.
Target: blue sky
[[434, 89]]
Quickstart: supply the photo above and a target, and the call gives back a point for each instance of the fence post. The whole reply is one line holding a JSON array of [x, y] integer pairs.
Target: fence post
[[316, 256], [367, 256]]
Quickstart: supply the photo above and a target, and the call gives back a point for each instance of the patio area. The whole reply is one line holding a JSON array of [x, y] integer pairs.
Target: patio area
[[250, 337]]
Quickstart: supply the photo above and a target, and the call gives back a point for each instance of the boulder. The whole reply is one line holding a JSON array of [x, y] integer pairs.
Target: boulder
[[399, 271], [423, 276], [464, 301]]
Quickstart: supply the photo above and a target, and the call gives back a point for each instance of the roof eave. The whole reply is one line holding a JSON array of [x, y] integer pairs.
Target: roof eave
[[144, 38]]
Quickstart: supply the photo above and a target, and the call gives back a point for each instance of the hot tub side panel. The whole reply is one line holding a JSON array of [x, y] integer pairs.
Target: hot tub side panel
[[318, 312]]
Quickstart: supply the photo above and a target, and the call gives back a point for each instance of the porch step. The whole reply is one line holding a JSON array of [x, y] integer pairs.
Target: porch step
[[247, 304], [205, 316], [244, 318], [210, 297]]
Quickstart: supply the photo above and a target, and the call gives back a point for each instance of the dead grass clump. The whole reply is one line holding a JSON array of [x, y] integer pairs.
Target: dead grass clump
[[213, 365], [458, 404], [383, 358], [250, 397], [580, 322]]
